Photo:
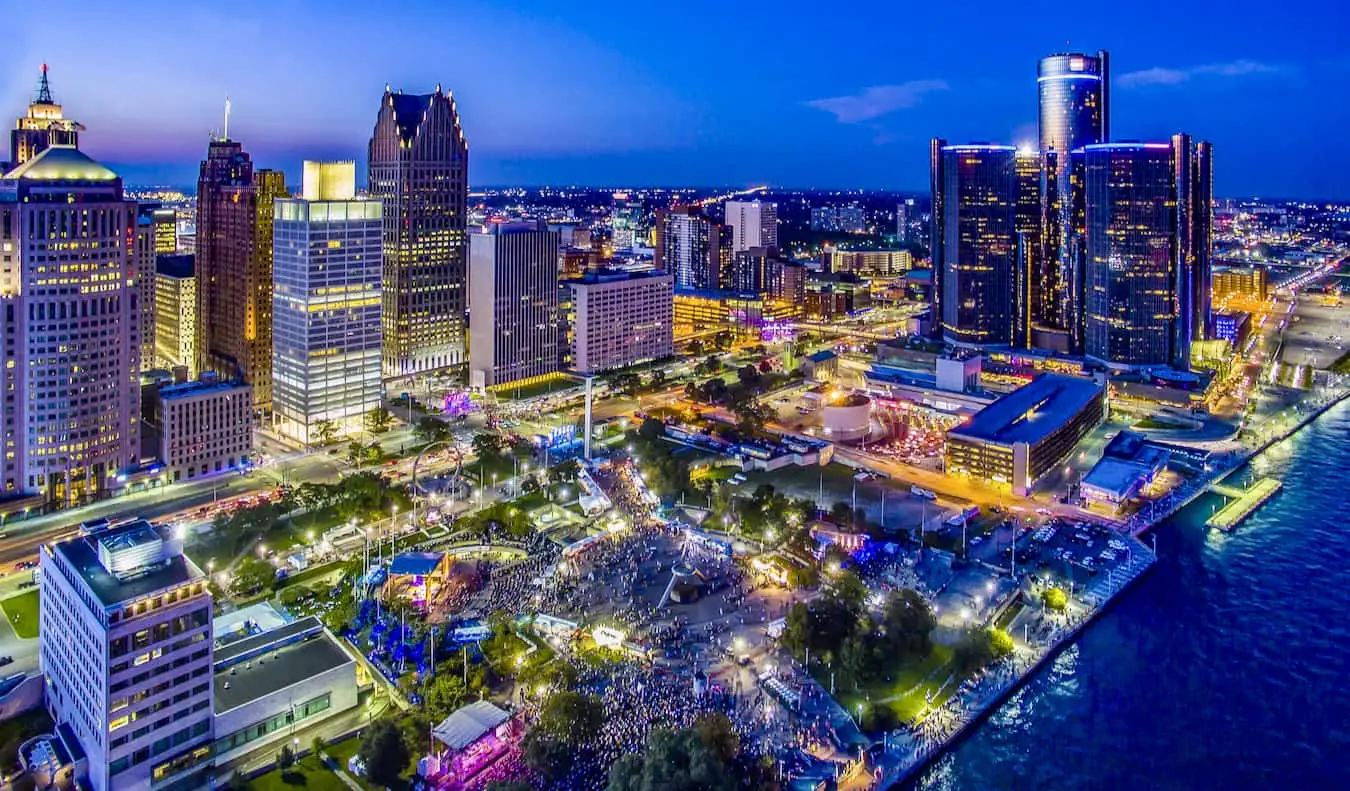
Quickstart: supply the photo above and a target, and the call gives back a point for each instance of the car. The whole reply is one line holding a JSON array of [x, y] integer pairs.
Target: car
[[5, 660]]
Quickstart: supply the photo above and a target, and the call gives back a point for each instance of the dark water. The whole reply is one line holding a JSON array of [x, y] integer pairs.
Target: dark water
[[1226, 667]]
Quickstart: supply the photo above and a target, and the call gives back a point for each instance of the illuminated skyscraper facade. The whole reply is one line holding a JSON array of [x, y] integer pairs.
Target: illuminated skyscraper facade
[[1145, 238], [693, 248], [71, 320], [419, 170], [42, 126], [1030, 245], [976, 213], [234, 267], [1074, 91], [753, 224], [513, 304], [328, 253]]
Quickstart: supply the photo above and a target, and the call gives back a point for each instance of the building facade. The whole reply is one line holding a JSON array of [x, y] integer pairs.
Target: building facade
[[752, 223], [329, 248], [1146, 243], [176, 314], [621, 318], [1248, 282], [145, 255], [124, 641], [68, 283], [695, 250], [235, 206], [419, 171], [868, 263], [204, 427], [976, 262], [1074, 93], [513, 304]]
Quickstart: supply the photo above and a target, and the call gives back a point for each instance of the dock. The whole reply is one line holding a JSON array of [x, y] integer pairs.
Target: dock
[[1243, 502]]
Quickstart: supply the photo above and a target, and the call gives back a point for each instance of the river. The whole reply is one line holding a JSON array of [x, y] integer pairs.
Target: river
[[1225, 667]]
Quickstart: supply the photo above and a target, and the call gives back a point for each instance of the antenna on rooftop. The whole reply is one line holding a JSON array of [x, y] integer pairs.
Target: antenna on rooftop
[[226, 136]]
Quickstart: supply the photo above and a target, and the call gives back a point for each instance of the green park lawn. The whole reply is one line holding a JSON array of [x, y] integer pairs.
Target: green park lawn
[[537, 389], [307, 773], [906, 695], [22, 612]]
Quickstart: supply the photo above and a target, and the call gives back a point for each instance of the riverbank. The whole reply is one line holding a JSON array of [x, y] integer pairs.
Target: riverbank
[[905, 757]]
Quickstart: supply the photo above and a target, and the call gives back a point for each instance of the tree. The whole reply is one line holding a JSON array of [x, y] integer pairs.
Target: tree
[[695, 348], [673, 761], [626, 383], [748, 375], [285, 758], [717, 732], [908, 621], [850, 591], [487, 445], [979, 648], [325, 431], [546, 755], [432, 429], [571, 717], [444, 694], [658, 377], [316, 746], [1055, 599], [509, 785], [384, 753], [724, 340], [651, 429], [378, 420], [751, 416], [251, 575], [522, 448]]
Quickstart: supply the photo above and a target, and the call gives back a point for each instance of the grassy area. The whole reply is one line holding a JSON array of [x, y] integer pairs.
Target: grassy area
[[1342, 364], [22, 612], [1156, 423], [537, 389], [307, 773], [907, 694]]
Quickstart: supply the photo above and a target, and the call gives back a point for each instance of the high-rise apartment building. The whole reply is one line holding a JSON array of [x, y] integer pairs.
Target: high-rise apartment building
[[752, 223], [1147, 205], [513, 304], [42, 126], [975, 216], [176, 314], [1074, 90], [419, 170], [627, 222], [124, 641], [234, 267], [621, 318], [68, 283], [695, 250], [329, 249]]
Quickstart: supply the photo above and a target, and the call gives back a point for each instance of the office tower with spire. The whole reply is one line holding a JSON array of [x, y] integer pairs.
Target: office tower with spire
[[419, 171], [1074, 92], [329, 255], [71, 319], [235, 206], [42, 126], [1145, 237], [975, 215]]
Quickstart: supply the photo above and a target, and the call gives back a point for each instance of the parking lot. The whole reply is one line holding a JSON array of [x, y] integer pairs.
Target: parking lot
[[1073, 552]]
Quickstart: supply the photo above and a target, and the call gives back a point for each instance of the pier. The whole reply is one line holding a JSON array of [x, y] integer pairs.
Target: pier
[[1243, 502]]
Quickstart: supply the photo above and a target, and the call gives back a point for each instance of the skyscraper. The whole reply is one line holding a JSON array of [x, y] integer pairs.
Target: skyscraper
[[44, 125], [753, 224], [176, 313], [69, 286], [1074, 93], [419, 170], [145, 281], [513, 304], [1030, 245], [692, 248], [326, 305], [1147, 207], [234, 267], [976, 217]]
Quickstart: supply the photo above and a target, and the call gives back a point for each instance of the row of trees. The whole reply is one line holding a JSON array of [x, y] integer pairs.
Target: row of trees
[[705, 757]]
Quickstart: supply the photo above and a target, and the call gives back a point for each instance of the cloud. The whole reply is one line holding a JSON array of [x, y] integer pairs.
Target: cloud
[[1165, 76], [878, 100]]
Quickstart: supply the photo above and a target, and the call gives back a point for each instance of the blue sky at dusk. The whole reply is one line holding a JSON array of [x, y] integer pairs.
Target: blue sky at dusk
[[805, 94]]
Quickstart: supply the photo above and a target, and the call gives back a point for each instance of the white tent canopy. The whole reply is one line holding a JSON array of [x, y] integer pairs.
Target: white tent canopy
[[468, 724]]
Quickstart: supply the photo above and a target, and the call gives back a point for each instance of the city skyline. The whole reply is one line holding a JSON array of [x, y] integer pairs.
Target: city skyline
[[599, 101]]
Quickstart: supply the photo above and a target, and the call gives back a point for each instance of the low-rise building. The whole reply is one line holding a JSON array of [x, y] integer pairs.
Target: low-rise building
[[204, 426], [125, 645], [1015, 441], [1249, 282]]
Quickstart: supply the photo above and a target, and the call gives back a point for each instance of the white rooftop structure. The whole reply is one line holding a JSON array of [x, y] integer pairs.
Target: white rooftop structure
[[468, 724]]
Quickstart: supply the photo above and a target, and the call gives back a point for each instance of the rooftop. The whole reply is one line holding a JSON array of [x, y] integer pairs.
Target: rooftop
[[416, 563], [311, 652], [594, 276], [176, 265], [62, 163], [199, 386], [82, 554], [468, 724], [1032, 411], [1116, 476]]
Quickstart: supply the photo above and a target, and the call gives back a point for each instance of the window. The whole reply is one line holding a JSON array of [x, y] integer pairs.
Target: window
[[119, 722]]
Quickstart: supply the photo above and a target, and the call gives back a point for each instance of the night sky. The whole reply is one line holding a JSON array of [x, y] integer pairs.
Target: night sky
[[797, 94]]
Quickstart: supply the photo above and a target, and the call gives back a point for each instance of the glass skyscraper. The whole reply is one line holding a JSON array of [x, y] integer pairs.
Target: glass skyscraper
[[1136, 292], [1074, 91], [975, 209], [326, 311]]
